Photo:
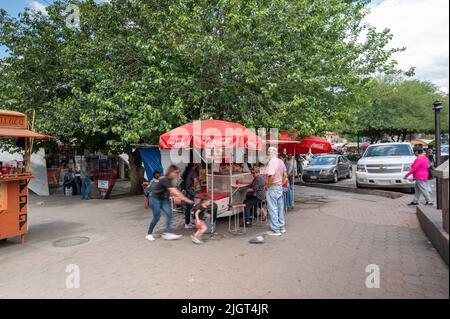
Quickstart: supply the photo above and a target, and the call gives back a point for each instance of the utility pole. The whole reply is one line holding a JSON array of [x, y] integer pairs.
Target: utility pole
[[437, 106]]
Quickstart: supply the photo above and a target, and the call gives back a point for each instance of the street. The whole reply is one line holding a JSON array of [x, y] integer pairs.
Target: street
[[331, 238]]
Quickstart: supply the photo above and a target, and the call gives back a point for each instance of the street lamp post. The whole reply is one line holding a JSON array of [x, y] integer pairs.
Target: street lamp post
[[437, 106]]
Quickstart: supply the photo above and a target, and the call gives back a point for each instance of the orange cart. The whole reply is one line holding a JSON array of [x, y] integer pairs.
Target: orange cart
[[14, 180]]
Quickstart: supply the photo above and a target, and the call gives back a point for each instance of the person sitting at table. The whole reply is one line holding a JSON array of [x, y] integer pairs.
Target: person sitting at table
[[224, 169], [255, 194], [238, 168]]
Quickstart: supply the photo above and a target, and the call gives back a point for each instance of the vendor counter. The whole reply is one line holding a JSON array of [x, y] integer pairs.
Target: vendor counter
[[13, 205], [228, 189]]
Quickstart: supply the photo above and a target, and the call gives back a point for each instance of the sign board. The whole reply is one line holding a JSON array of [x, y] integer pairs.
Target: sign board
[[13, 120], [103, 184]]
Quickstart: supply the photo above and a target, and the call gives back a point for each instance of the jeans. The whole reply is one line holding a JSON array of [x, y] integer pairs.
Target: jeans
[[156, 206], [250, 204], [188, 209], [288, 194], [275, 205], [422, 187], [86, 188]]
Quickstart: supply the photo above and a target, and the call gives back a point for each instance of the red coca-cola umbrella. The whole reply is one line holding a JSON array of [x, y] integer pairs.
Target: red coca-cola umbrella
[[289, 142], [210, 134], [316, 144]]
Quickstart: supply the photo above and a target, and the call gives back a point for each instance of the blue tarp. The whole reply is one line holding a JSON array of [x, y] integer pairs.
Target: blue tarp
[[151, 157]]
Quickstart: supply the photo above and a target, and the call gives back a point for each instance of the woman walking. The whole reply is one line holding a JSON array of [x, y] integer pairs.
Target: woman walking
[[160, 199], [420, 173]]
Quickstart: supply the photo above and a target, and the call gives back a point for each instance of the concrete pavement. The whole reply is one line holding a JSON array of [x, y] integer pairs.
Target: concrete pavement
[[332, 237]]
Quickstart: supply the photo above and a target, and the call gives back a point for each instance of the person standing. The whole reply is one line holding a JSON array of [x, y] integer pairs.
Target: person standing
[[63, 171], [160, 199], [155, 179], [191, 179], [276, 177], [290, 171], [255, 195], [300, 169], [69, 183], [86, 182], [420, 173]]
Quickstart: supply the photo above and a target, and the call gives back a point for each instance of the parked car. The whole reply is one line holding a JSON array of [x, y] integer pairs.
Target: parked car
[[305, 160], [329, 167], [384, 165]]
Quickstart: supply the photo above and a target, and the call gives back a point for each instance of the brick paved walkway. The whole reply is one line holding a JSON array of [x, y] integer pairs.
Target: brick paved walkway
[[332, 237]]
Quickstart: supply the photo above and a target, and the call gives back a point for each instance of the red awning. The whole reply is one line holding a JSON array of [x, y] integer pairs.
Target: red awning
[[210, 134], [289, 142], [17, 132]]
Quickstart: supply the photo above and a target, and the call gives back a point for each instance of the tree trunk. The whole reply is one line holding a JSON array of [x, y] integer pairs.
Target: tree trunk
[[137, 172], [404, 136]]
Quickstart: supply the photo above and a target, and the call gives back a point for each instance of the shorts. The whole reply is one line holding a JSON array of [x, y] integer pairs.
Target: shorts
[[202, 222]]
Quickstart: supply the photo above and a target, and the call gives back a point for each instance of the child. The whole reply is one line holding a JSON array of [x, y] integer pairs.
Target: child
[[202, 219]]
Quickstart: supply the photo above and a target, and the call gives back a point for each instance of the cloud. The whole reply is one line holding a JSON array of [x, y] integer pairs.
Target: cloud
[[38, 7], [422, 26]]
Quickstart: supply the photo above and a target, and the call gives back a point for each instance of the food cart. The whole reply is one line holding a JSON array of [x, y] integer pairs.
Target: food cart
[[225, 186], [215, 142], [14, 177]]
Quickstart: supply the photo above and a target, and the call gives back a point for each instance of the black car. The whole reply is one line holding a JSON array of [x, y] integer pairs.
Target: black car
[[327, 168]]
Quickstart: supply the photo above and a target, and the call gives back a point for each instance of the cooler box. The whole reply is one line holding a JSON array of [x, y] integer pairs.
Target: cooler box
[[222, 201]]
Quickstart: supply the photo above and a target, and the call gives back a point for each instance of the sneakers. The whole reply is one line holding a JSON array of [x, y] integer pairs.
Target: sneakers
[[170, 236], [283, 230], [189, 226], [150, 237], [413, 204], [195, 240], [273, 233], [429, 203]]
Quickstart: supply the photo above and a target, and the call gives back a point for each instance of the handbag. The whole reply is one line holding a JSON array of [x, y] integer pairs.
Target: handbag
[[430, 172]]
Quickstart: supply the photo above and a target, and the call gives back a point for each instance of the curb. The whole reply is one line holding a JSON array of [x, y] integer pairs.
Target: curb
[[430, 220], [366, 191]]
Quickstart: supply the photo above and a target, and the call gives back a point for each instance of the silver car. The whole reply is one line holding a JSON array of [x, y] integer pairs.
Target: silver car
[[327, 168]]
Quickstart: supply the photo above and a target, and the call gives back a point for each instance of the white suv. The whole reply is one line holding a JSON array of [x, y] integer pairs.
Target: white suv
[[384, 165]]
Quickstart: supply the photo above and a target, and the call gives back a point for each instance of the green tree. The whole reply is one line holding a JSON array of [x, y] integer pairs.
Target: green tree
[[400, 108], [134, 69]]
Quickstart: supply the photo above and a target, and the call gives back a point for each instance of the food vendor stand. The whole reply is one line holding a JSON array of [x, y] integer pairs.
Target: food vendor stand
[[14, 177], [219, 141]]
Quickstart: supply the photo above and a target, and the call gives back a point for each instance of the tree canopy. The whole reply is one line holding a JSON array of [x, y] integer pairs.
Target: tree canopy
[[398, 109], [135, 69]]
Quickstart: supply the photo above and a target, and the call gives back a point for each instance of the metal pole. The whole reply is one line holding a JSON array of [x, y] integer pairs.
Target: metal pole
[[437, 106]]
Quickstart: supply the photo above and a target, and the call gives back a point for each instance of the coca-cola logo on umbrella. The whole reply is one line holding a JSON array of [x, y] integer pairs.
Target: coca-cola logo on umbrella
[[218, 142], [317, 145], [177, 142]]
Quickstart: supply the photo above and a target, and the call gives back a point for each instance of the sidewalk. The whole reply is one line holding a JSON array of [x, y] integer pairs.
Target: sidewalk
[[332, 237]]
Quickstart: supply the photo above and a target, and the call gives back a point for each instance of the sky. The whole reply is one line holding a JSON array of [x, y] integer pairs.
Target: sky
[[422, 26]]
